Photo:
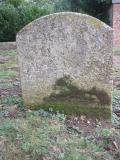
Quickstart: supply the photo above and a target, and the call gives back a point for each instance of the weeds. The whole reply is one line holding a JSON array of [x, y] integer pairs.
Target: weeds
[[40, 137], [6, 85], [12, 100], [6, 74], [8, 53]]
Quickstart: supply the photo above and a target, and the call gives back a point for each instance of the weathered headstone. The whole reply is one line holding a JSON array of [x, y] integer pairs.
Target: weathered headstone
[[65, 64]]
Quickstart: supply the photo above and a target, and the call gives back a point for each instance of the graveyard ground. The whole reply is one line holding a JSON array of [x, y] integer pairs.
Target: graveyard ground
[[41, 135]]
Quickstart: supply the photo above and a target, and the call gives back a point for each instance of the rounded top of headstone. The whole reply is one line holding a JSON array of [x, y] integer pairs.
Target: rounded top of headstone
[[67, 16]]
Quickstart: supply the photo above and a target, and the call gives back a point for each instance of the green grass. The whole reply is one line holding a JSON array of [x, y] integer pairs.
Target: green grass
[[116, 48], [9, 64], [116, 93], [39, 137], [12, 100], [6, 85], [77, 108], [8, 52], [6, 74]]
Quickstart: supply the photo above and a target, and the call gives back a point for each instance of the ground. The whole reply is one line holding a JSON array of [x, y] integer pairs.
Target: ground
[[41, 135]]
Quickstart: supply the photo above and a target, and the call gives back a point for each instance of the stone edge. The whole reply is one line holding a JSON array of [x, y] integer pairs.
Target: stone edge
[[61, 13]]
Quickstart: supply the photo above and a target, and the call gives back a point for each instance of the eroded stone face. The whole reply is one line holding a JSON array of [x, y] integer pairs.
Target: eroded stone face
[[70, 45]]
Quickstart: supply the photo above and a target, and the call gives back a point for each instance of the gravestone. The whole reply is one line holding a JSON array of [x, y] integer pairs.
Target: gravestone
[[66, 63]]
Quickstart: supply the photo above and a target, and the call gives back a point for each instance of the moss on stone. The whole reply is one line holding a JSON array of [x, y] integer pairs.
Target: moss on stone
[[69, 98], [65, 90], [69, 107], [95, 22]]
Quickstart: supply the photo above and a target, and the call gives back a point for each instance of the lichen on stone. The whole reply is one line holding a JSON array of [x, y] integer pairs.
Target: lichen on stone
[[95, 22], [65, 90], [68, 97]]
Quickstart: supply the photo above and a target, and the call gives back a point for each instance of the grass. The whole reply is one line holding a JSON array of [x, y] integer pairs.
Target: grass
[[6, 74], [8, 53], [116, 93], [116, 48], [6, 85], [12, 100], [11, 60], [39, 137], [9, 64], [116, 72]]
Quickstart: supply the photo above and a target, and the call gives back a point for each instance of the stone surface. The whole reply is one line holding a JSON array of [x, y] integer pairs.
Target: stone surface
[[65, 64]]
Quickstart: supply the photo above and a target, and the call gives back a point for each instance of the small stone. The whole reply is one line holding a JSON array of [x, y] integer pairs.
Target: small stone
[[13, 108], [83, 117], [88, 122]]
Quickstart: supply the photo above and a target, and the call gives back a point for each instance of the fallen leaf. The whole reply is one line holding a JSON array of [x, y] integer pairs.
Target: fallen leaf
[[115, 144]]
